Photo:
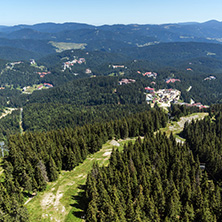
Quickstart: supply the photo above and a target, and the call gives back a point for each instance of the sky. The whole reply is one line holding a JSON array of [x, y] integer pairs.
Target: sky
[[100, 12]]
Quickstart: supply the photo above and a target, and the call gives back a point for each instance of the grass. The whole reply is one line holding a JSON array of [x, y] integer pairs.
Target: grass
[[31, 89], [63, 199], [177, 127], [62, 46]]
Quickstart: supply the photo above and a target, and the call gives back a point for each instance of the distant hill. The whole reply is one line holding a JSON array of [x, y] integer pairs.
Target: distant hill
[[15, 54], [107, 37], [171, 53]]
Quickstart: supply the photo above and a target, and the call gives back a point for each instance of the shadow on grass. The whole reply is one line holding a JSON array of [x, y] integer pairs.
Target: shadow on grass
[[80, 205]]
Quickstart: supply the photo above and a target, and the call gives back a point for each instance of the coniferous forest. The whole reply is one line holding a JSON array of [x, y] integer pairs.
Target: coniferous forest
[[158, 179], [36, 158], [59, 106]]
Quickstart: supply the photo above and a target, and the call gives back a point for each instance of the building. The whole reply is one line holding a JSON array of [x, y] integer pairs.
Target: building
[[172, 80], [149, 90]]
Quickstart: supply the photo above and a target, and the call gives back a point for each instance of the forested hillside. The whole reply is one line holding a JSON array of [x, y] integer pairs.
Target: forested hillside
[[36, 158], [72, 87], [204, 139], [158, 179]]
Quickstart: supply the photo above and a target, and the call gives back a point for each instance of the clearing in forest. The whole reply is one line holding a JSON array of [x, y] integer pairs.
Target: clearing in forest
[[177, 127], [60, 201]]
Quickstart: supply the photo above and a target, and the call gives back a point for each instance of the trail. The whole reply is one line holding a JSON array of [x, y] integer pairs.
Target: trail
[[20, 122]]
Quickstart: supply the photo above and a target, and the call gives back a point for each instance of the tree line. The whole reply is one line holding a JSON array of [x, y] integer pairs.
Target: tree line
[[36, 158], [156, 179]]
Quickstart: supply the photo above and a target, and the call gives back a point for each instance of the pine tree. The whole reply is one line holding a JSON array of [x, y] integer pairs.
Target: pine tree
[[53, 173]]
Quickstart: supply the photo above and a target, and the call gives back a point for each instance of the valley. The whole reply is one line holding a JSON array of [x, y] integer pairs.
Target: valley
[[95, 120]]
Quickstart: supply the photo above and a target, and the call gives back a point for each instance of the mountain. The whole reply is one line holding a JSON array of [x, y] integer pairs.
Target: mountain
[[106, 37], [13, 54]]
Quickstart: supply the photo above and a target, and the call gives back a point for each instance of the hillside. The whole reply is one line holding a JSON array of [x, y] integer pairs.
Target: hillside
[[111, 38]]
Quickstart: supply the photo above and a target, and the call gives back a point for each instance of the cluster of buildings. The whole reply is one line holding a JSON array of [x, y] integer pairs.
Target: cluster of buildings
[[169, 80], [126, 81], [149, 74], [199, 105], [210, 78], [48, 85], [163, 97], [42, 74], [69, 64]]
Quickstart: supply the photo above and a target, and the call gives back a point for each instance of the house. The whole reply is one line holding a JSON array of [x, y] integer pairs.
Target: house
[[40, 87], [189, 69], [126, 81], [149, 90], [150, 74], [48, 85], [210, 78], [88, 71], [32, 62], [172, 80], [81, 60]]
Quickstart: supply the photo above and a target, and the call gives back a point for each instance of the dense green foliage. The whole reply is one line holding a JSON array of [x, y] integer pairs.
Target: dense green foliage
[[36, 158], [9, 125], [205, 138], [48, 116], [153, 180]]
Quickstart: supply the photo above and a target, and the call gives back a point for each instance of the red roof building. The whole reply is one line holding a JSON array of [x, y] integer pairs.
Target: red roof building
[[149, 90]]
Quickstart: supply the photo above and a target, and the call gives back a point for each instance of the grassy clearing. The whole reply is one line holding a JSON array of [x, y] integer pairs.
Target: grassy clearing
[[177, 127], [63, 200], [31, 89], [62, 46]]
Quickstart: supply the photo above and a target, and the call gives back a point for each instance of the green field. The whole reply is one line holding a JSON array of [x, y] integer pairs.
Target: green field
[[62, 46]]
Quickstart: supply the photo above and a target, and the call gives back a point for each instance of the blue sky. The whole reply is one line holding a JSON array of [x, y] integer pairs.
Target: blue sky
[[99, 12]]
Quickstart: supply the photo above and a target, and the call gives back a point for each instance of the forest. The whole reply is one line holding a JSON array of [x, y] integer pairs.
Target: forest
[[54, 130], [36, 158], [158, 179]]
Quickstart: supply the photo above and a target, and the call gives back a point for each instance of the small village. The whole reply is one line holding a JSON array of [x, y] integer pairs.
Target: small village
[[69, 64], [126, 81], [164, 98], [148, 74], [30, 89]]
